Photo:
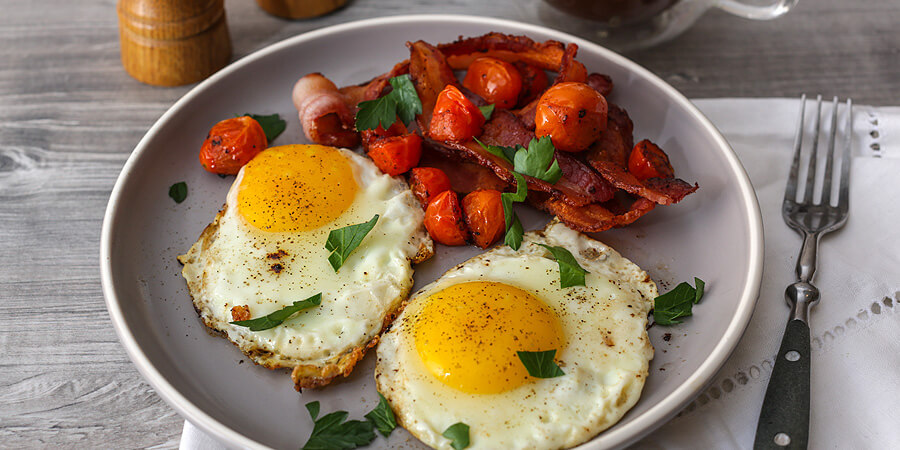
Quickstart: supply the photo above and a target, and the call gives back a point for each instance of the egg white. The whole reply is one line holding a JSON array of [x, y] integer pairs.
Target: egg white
[[232, 265], [605, 360]]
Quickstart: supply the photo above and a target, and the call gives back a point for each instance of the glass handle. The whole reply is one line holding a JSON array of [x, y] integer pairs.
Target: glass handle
[[756, 12]]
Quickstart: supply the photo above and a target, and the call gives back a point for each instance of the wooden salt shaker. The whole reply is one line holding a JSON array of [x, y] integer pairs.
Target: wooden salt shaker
[[173, 42], [299, 9]]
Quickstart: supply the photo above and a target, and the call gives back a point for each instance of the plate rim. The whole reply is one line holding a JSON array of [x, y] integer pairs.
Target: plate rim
[[654, 417]]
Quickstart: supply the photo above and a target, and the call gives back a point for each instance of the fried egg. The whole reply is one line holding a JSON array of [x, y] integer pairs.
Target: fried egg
[[451, 356], [266, 249]]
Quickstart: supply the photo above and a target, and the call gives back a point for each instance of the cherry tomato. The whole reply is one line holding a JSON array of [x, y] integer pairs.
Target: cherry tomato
[[572, 114], [484, 216], [396, 154], [455, 118], [232, 143], [496, 81], [427, 182], [647, 160], [444, 219], [370, 136]]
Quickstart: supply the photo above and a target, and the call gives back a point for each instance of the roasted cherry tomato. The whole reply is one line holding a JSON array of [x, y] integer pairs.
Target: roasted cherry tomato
[[455, 117], [232, 143], [396, 154], [534, 82], [427, 182], [444, 219], [572, 114], [484, 216], [496, 81], [370, 136], [647, 160]]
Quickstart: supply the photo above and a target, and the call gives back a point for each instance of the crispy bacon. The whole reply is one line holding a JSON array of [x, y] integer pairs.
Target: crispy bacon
[[430, 74], [602, 83], [569, 69], [547, 55], [324, 112], [609, 156], [596, 216], [464, 176]]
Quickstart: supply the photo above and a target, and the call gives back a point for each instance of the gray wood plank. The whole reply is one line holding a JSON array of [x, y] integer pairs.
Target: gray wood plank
[[70, 115]]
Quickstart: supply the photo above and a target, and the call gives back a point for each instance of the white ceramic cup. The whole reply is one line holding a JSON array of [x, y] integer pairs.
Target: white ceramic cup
[[633, 24]]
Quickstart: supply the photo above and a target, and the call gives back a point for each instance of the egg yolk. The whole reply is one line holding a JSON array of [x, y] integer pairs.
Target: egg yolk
[[467, 335], [296, 188]]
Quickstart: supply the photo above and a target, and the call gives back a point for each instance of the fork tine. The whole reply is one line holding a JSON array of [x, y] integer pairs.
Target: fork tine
[[829, 162], [790, 191], [844, 193], [813, 157]]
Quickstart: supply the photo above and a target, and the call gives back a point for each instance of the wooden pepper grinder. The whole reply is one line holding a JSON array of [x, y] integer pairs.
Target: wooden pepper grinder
[[173, 42]]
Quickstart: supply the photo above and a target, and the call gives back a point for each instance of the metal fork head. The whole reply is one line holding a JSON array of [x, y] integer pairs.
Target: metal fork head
[[810, 215]]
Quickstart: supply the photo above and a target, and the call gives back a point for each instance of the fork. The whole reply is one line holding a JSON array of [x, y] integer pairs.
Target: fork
[[784, 418]]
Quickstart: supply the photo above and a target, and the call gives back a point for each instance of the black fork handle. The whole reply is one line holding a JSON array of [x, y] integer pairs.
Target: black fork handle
[[784, 419]]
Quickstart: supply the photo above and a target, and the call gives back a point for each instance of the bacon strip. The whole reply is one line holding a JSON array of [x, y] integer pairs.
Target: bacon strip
[[609, 156], [594, 217], [430, 74], [324, 112], [546, 55]]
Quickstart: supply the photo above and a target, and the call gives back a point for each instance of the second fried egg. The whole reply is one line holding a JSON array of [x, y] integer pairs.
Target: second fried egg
[[452, 356]]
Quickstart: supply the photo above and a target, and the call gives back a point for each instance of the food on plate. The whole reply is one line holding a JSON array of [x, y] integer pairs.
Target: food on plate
[[231, 143], [499, 345], [427, 182], [484, 216], [494, 80], [572, 114], [502, 102], [444, 219], [266, 250]]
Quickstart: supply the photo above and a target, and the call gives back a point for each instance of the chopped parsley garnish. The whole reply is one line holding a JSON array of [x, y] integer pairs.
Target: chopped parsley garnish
[[178, 191], [677, 303], [570, 272], [278, 317], [541, 364], [403, 101], [514, 230], [343, 241], [487, 111], [458, 433], [273, 125], [334, 431], [382, 417], [538, 160]]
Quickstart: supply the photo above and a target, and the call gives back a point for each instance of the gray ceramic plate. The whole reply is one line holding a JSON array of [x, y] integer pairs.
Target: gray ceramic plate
[[715, 234]]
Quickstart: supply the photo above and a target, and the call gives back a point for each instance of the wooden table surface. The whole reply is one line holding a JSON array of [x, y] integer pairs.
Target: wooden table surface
[[70, 115]]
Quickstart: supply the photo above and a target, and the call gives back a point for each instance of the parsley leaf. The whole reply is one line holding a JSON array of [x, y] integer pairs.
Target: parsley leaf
[[343, 241], [540, 364], [382, 417], [570, 272], [487, 111], [507, 153], [278, 317], [677, 303], [458, 433], [334, 431], [273, 125], [178, 191], [538, 160], [701, 285], [403, 101], [514, 230]]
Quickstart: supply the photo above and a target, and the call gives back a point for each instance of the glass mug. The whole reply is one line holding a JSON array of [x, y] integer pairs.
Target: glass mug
[[633, 24]]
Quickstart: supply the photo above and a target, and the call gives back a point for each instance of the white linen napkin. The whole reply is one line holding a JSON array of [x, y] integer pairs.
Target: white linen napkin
[[855, 345]]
